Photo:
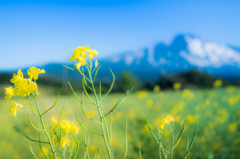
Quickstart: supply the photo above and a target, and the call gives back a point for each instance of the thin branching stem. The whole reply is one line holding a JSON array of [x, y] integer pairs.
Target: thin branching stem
[[44, 128]]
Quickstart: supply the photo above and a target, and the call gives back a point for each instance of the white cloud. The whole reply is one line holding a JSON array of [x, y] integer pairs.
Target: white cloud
[[201, 53], [129, 59]]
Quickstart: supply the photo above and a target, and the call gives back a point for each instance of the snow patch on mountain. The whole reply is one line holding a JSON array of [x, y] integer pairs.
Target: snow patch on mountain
[[204, 54]]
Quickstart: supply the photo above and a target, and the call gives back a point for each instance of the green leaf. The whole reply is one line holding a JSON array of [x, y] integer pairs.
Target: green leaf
[[110, 89], [119, 102]]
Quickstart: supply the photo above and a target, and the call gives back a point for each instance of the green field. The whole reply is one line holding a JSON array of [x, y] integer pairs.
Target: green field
[[216, 110]]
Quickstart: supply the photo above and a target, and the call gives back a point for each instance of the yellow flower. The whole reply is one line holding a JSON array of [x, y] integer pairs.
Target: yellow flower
[[81, 62], [65, 142], [187, 93], [233, 100], [156, 88], [79, 52], [17, 77], [141, 94], [232, 127], [149, 103], [165, 121], [230, 89], [91, 113], [9, 92], [91, 53], [192, 119], [169, 119], [179, 107], [92, 148], [45, 150], [24, 87], [162, 124], [145, 128], [96, 63], [177, 86], [33, 73], [54, 121], [68, 126], [218, 83], [13, 109]]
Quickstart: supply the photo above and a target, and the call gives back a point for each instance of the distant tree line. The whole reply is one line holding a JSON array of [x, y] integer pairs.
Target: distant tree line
[[190, 79], [126, 80]]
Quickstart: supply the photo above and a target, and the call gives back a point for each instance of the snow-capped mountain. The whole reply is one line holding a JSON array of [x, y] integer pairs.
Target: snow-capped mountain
[[184, 52]]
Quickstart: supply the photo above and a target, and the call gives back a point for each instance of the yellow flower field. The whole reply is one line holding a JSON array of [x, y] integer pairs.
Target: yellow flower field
[[217, 135], [178, 123]]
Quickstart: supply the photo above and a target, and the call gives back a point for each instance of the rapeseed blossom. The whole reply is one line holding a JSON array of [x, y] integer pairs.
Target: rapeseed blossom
[[45, 150], [177, 86], [22, 87], [65, 141], [54, 121], [233, 100], [165, 121], [65, 125], [187, 93], [149, 103], [141, 94], [218, 83], [232, 127], [91, 113], [17, 77], [68, 126], [13, 109], [192, 118], [80, 53], [230, 89], [9, 92], [156, 88], [33, 73], [91, 53]]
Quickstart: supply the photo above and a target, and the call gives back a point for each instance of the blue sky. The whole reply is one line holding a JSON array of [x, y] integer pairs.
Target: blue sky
[[36, 32]]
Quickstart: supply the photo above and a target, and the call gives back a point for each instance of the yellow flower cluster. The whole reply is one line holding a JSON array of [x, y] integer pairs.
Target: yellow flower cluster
[[187, 93], [233, 100], [177, 86], [65, 126], [165, 121], [179, 107], [22, 87], [218, 83], [91, 113], [141, 94], [156, 88], [80, 53]]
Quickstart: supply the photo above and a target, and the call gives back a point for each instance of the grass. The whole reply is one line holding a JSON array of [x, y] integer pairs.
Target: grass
[[216, 110]]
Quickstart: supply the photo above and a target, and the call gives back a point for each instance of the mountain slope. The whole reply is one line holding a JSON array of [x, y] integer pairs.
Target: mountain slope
[[183, 53]]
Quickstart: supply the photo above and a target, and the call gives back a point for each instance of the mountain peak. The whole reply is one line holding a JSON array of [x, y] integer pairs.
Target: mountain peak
[[185, 52]]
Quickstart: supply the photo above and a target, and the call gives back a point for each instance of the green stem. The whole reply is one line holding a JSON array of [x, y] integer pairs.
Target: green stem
[[172, 146], [44, 128], [159, 152], [102, 119]]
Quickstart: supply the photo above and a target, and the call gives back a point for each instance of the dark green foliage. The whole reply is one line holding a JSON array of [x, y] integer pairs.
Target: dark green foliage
[[190, 79], [126, 81]]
